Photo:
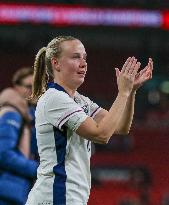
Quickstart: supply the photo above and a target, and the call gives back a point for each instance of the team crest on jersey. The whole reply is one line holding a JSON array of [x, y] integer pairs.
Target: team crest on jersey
[[85, 106]]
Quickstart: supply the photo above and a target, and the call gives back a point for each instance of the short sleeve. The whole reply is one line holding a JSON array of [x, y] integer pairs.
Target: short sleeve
[[60, 108], [93, 107]]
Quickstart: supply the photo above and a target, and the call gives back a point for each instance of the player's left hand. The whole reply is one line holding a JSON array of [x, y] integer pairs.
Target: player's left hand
[[144, 75]]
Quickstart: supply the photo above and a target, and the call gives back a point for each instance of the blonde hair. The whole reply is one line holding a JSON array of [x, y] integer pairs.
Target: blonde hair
[[43, 67]]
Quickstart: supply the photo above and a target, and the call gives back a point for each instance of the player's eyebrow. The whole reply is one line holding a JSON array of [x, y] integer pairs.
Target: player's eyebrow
[[84, 55]]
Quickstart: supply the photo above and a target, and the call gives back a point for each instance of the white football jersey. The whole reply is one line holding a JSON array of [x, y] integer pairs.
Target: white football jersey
[[64, 172]]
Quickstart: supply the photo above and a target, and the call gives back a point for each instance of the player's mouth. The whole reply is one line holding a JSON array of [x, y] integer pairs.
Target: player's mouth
[[82, 73]]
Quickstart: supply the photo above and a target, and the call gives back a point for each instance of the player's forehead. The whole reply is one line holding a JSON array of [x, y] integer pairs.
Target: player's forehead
[[73, 47]]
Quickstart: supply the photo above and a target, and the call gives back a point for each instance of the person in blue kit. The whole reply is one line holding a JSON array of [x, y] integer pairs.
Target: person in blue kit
[[34, 148], [17, 168]]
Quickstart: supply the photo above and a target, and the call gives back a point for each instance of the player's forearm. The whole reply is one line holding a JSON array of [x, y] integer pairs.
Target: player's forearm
[[108, 125], [127, 117], [101, 130]]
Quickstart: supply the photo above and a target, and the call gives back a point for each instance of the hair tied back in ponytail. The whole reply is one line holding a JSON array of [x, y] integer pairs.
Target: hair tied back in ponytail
[[39, 79]]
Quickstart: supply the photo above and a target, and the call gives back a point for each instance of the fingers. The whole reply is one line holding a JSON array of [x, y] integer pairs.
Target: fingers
[[117, 72], [147, 71], [131, 67], [125, 64], [145, 74], [128, 64], [150, 64], [136, 68]]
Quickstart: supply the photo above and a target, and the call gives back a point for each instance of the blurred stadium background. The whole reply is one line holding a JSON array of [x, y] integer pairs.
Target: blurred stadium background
[[130, 170]]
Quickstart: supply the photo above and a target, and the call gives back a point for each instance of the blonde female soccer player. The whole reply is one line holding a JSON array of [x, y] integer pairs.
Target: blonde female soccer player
[[66, 121]]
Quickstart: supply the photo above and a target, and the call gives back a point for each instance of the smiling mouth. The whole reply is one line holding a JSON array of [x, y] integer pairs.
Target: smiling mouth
[[82, 73]]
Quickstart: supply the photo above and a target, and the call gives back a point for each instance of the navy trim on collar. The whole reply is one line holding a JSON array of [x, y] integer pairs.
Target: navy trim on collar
[[56, 86]]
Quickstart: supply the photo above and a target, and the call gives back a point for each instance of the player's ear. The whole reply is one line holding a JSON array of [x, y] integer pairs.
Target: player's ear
[[55, 64]]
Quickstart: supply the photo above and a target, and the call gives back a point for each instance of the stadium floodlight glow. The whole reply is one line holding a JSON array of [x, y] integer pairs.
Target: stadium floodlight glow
[[77, 15]]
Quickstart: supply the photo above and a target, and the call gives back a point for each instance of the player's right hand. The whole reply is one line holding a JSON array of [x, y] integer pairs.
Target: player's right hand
[[125, 77]]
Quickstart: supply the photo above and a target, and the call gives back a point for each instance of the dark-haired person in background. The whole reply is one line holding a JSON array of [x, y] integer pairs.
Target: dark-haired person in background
[[17, 168]]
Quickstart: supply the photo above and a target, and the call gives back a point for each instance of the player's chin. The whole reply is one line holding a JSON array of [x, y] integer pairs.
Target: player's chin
[[80, 81]]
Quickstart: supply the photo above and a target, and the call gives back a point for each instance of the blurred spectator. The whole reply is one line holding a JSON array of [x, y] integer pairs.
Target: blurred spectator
[[165, 199], [129, 201], [158, 117], [155, 114], [17, 170], [141, 179]]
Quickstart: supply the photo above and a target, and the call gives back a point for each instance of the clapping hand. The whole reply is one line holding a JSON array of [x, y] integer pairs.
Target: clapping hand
[[143, 75], [140, 77]]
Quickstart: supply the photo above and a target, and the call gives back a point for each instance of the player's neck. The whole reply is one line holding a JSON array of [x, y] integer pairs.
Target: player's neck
[[67, 88]]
